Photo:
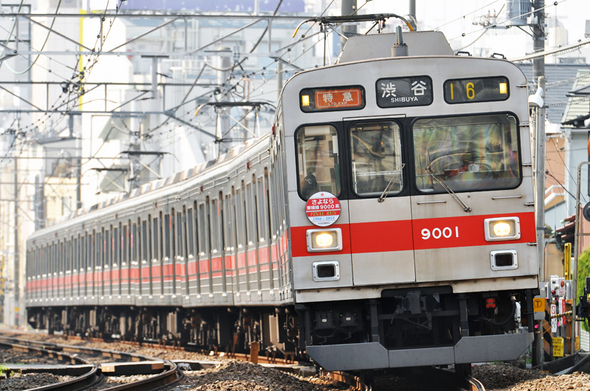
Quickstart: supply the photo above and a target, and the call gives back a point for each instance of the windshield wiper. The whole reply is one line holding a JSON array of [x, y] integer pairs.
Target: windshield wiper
[[449, 190], [390, 184]]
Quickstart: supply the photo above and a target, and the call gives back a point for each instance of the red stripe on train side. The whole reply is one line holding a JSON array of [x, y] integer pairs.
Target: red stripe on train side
[[204, 266], [192, 267]]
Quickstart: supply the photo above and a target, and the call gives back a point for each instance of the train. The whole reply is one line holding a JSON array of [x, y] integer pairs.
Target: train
[[386, 221]]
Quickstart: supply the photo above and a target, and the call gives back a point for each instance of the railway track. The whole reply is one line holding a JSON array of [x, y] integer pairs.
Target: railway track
[[98, 365], [93, 372]]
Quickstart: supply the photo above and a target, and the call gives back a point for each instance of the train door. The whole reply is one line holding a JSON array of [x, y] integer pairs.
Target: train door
[[217, 279], [240, 255], [228, 243], [380, 219], [108, 262], [263, 224], [190, 250], [194, 282], [83, 265], [203, 243], [144, 268], [179, 269], [117, 260], [125, 288]]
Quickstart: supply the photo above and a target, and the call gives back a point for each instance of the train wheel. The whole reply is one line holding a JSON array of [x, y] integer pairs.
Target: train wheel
[[368, 379]]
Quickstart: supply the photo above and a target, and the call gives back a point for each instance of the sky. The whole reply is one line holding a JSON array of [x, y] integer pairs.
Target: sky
[[456, 18]]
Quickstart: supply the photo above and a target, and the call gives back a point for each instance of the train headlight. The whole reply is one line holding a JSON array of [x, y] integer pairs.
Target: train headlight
[[502, 229], [506, 228], [324, 240]]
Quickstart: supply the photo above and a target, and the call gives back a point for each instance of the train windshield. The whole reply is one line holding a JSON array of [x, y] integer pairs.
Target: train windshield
[[318, 160], [376, 158], [466, 153]]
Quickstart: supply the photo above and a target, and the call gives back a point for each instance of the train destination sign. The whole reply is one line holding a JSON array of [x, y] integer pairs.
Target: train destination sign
[[323, 209], [483, 89], [404, 91], [333, 98]]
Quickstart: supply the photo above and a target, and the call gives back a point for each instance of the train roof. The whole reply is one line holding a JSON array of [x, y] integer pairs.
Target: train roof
[[419, 43], [199, 172]]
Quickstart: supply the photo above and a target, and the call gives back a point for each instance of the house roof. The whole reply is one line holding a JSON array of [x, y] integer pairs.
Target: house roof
[[560, 80], [578, 104]]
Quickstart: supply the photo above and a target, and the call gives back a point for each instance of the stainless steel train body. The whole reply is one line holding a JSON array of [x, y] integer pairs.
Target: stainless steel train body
[[387, 221]]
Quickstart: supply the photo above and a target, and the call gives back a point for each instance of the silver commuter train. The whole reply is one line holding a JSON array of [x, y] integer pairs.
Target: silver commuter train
[[387, 221]]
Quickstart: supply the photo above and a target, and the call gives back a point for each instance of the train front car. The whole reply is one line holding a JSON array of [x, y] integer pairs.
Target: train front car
[[411, 213]]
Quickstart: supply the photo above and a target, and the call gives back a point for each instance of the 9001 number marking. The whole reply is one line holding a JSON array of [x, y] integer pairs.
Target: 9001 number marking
[[438, 233]]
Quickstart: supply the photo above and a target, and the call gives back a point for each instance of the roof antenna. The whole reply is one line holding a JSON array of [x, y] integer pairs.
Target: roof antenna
[[399, 49]]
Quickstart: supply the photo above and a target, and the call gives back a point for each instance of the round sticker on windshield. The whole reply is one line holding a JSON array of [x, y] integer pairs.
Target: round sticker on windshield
[[323, 209]]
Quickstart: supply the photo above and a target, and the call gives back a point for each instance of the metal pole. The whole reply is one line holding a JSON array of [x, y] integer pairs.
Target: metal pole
[[348, 30], [16, 238], [540, 179], [413, 8], [576, 251]]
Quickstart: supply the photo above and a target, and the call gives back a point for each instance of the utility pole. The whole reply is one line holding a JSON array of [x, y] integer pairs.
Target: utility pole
[[413, 9], [538, 26], [223, 72], [538, 118], [349, 29]]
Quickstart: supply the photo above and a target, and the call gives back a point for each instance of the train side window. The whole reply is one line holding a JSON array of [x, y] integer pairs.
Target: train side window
[[262, 209], [191, 233], [240, 224], [167, 224], [318, 161], [203, 245], [125, 248], [148, 238], [91, 258], [179, 235], [144, 242], [214, 226], [83, 254], [116, 246], [467, 153], [76, 258], [250, 210], [99, 248], [376, 158], [133, 244], [155, 239], [173, 235], [109, 249]]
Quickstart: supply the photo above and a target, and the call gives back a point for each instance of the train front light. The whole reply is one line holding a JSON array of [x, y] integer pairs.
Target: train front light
[[506, 228], [502, 229], [324, 240]]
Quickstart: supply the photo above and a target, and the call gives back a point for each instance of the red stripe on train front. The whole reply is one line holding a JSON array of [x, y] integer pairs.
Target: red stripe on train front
[[404, 235], [466, 231]]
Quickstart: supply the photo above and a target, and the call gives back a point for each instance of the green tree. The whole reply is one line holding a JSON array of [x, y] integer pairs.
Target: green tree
[[583, 272]]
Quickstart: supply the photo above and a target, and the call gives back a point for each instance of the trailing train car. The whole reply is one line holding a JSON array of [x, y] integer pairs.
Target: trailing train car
[[387, 221]]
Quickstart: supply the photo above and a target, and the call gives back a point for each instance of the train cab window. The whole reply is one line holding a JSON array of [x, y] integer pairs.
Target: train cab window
[[376, 158], [318, 161], [466, 153]]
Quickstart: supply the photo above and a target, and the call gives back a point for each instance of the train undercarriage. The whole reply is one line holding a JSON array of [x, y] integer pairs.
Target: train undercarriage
[[410, 321], [418, 326], [228, 329]]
